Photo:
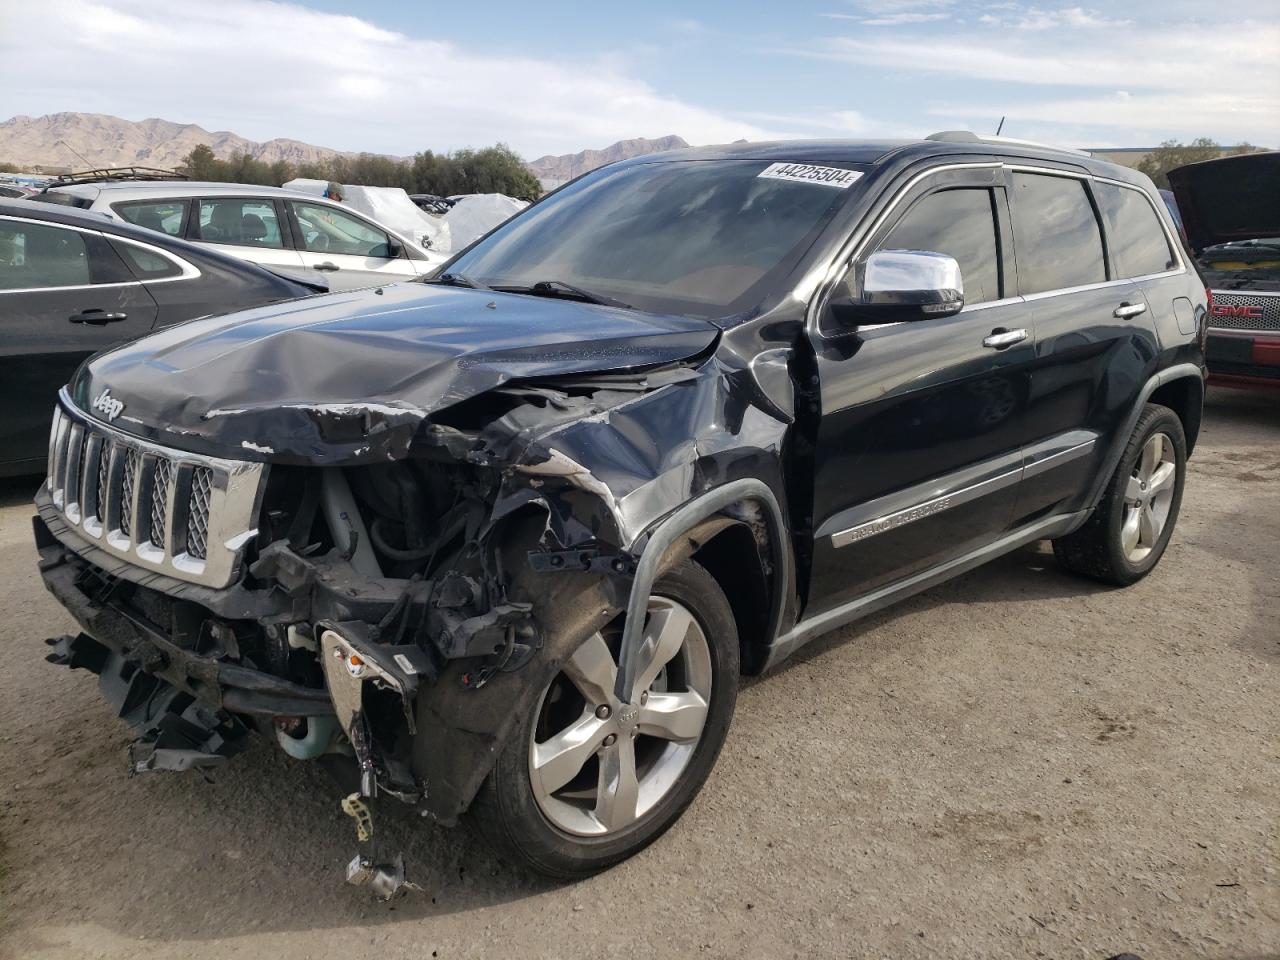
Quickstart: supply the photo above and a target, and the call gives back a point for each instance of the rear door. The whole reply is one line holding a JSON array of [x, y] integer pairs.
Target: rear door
[[919, 449], [64, 295], [1093, 345], [251, 228], [350, 250]]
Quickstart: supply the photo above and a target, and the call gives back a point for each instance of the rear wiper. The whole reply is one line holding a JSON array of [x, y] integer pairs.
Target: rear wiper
[[558, 288], [457, 280]]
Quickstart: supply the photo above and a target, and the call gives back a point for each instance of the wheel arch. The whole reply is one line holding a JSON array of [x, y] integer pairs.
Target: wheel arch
[[1182, 383], [1183, 395]]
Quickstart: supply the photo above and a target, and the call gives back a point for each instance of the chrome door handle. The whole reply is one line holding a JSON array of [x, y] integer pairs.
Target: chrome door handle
[[1126, 310], [1000, 338]]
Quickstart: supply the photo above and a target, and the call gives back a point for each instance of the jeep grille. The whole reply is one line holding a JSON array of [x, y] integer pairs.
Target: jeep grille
[[178, 513]]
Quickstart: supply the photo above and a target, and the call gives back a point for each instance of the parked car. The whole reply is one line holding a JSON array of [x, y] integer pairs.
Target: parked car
[[264, 225], [72, 284], [505, 539], [1231, 211]]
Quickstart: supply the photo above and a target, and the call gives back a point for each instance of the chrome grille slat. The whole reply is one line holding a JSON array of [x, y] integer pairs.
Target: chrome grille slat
[[198, 512], [1268, 322], [183, 514], [161, 479], [127, 491]]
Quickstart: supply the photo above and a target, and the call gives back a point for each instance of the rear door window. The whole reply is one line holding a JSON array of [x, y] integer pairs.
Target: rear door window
[[35, 256], [241, 222], [1139, 245], [1056, 232], [960, 223], [168, 216]]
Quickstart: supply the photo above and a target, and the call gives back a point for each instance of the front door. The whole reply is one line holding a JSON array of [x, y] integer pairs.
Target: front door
[[918, 452], [350, 251], [64, 295]]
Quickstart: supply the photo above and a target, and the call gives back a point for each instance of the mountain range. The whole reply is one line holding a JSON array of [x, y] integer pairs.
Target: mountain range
[[79, 140]]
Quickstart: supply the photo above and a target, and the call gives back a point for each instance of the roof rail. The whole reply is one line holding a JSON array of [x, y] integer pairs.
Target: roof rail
[[117, 173], [968, 136]]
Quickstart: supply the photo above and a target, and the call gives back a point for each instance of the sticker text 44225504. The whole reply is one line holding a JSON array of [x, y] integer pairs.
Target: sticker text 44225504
[[807, 173]]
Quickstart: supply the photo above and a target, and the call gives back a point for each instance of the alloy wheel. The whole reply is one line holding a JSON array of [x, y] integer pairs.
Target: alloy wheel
[[1148, 497], [597, 765]]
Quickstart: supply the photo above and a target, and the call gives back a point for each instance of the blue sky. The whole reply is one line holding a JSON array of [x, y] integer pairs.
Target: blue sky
[[556, 77]]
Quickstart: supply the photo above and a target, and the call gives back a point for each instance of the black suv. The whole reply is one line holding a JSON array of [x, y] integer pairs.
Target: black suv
[[505, 539]]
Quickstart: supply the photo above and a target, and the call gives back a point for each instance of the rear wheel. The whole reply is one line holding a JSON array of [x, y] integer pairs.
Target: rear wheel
[[588, 781], [1130, 528]]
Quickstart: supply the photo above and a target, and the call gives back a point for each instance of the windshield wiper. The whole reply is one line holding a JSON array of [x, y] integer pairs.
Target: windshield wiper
[[457, 280], [558, 288]]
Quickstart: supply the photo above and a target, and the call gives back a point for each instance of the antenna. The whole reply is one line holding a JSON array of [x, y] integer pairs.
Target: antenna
[[69, 147], [1000, 127]]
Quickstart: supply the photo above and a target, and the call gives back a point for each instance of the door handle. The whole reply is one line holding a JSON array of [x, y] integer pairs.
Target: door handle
[[97, 317], [1001, 339], [327, 265], [1126, 310]]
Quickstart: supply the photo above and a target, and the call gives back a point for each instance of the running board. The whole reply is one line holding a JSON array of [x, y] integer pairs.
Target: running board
[[814, 627]]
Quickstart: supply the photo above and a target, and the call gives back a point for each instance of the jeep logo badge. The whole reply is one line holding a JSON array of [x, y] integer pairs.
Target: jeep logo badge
[[108, 405]]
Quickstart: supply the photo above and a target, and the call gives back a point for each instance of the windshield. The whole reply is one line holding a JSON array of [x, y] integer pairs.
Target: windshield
[[694, 237]]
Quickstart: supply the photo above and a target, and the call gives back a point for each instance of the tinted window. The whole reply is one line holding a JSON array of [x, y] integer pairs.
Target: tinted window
[[147, 264], [36, 255], [326, 230], [65, 199], [164, 217], [961, 224], [1056, 232], [1138, 244], [243, 223], [701, 238]]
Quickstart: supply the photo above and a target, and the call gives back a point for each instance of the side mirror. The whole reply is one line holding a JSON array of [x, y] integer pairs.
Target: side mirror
[[395, 248], [902, 285]]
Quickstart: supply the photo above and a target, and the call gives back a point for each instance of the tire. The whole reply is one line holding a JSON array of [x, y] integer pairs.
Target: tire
[[1104, 549], [582, 827]]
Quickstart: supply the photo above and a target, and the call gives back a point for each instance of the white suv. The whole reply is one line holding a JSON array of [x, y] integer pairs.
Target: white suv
[[279, 229]]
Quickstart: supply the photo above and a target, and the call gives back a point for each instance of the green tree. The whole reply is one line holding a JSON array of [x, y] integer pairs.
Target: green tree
[[1171, 154], [200, 164]]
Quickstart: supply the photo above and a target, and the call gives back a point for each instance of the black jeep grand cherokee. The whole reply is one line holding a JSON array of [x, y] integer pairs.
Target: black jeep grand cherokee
[[505, 540]]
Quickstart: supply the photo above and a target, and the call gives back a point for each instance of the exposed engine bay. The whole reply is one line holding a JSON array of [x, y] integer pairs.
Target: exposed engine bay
[[377, 608]]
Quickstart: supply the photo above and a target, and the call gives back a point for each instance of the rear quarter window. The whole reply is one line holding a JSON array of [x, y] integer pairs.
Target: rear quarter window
[[1139, 245], [168, 216]]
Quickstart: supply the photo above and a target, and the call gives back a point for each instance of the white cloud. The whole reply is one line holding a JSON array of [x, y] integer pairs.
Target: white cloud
[[269, 69]]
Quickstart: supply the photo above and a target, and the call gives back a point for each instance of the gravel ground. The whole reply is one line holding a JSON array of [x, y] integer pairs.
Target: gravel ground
[[1014, 764]]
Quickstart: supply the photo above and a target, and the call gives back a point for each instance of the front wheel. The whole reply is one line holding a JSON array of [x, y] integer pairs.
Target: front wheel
[[588, 781], [1129, 529]]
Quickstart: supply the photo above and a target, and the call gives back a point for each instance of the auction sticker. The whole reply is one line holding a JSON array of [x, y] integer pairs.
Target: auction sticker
[[807, 173]]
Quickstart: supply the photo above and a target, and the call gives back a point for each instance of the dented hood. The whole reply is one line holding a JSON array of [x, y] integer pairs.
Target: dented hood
[[349, 378], [1231, 198]]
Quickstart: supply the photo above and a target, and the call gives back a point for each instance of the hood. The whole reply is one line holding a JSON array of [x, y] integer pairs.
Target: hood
[[349, 378], [1231, 198]]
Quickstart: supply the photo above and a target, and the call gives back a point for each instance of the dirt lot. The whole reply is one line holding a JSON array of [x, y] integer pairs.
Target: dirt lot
[[1014, 764]]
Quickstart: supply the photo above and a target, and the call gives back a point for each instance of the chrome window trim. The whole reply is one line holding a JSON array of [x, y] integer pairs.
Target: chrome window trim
[[853, 247], [189, 270]]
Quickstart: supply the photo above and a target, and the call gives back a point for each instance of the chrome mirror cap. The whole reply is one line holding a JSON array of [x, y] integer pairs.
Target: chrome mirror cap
[[913, 282]]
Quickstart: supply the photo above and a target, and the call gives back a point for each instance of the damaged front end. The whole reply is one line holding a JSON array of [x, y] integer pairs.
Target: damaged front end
[[395, 614]]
